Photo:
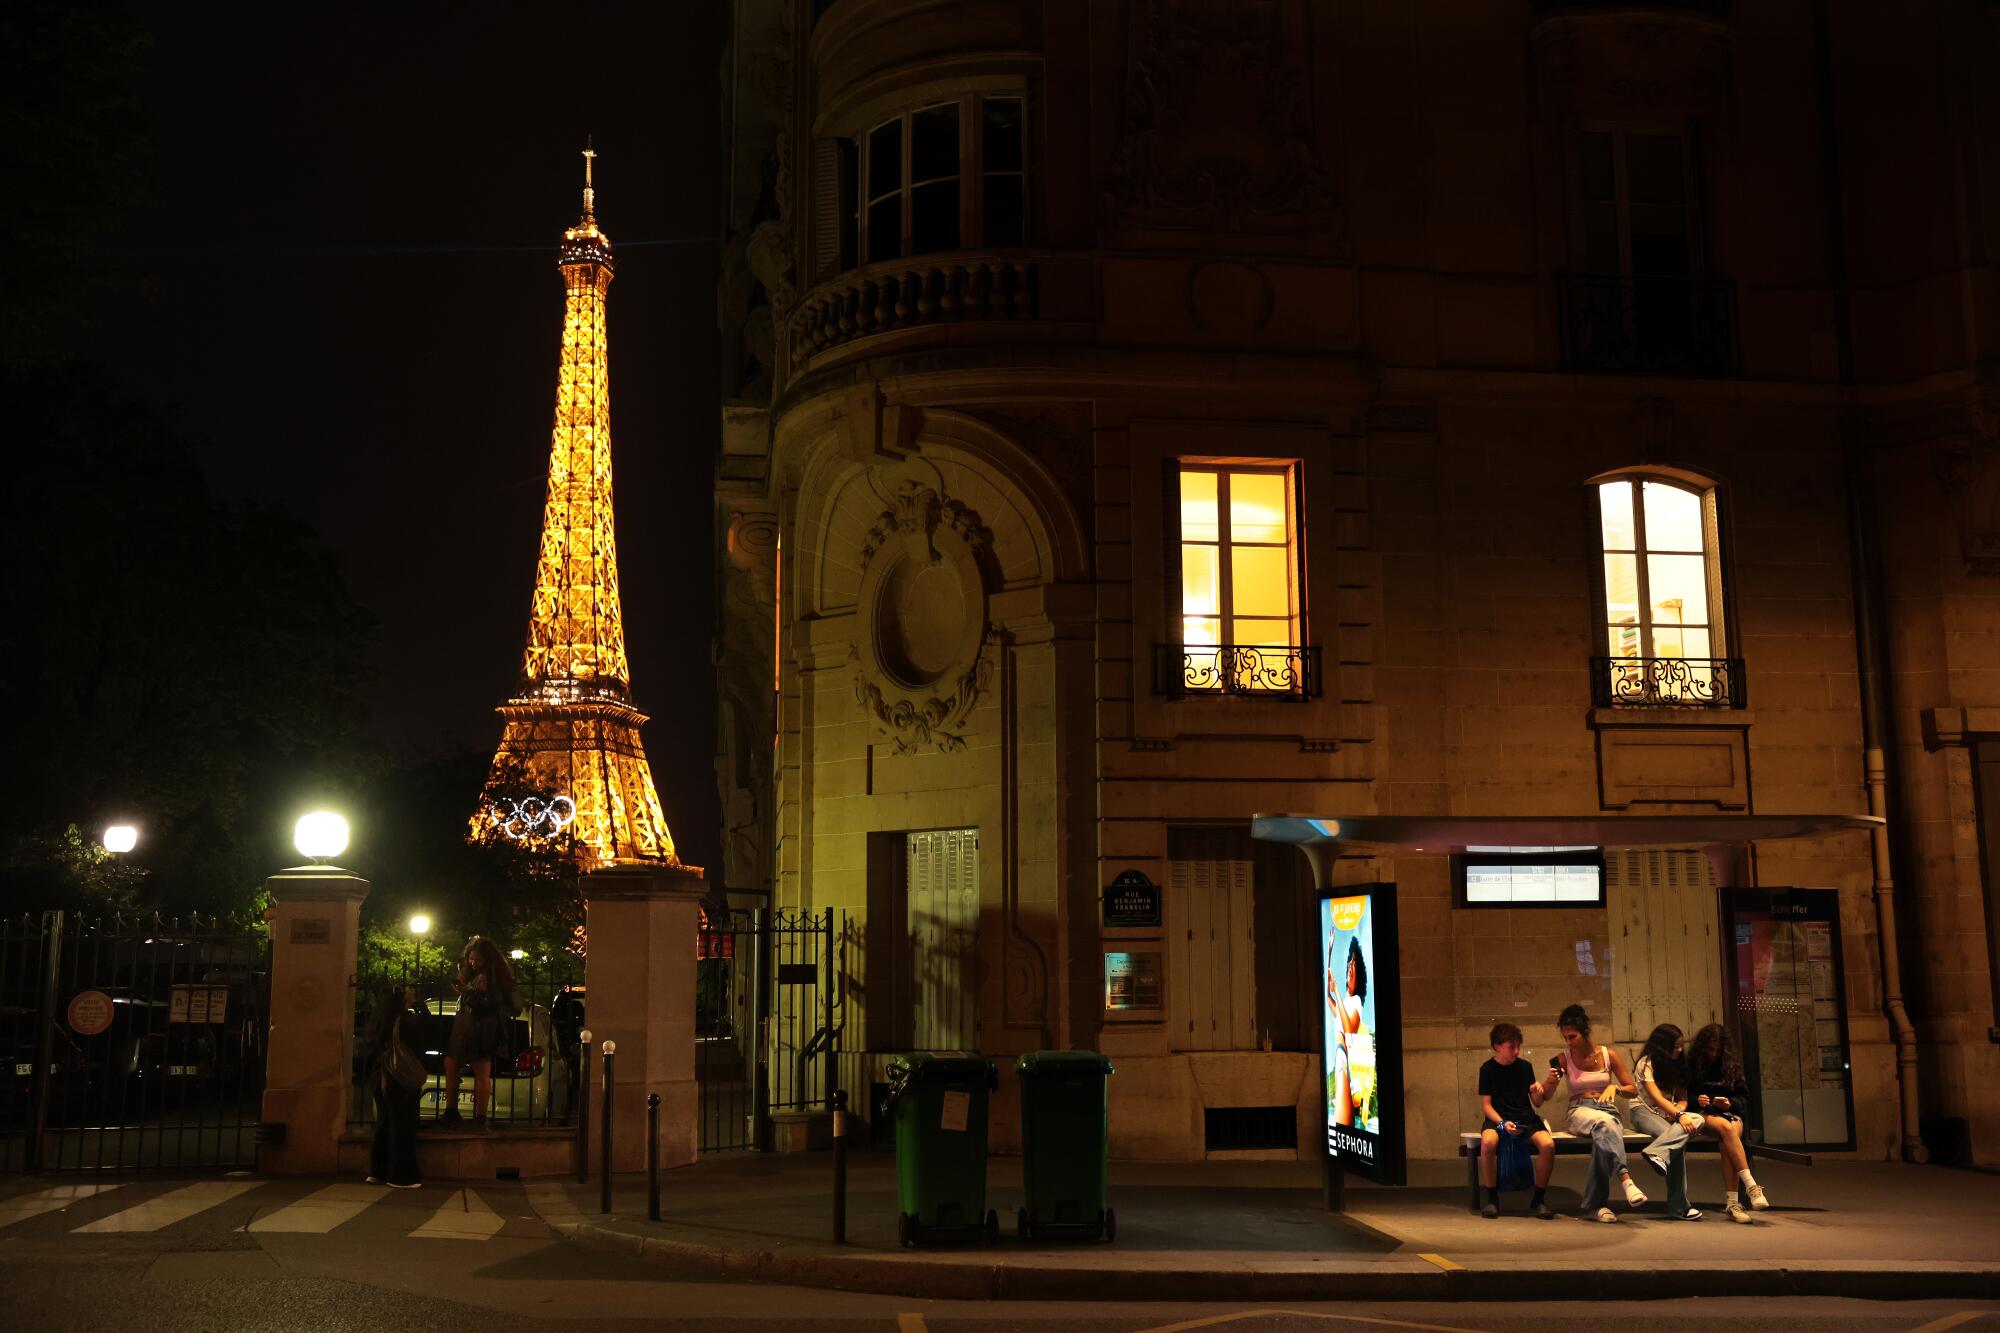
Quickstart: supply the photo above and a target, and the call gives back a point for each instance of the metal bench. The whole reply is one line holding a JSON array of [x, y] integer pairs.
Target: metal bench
[[1569, 1145]]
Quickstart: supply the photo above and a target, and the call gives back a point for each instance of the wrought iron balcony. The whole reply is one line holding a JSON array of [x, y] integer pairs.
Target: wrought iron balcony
[[1625, 324], [904, 293], [1667, 682], [1712, 8], [1259, 672]]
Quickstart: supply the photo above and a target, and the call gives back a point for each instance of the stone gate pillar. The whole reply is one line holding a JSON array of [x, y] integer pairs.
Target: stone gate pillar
[[639, 970], [315, 922]]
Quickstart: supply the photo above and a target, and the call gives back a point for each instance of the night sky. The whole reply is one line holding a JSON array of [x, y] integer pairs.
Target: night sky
[[342, 283]]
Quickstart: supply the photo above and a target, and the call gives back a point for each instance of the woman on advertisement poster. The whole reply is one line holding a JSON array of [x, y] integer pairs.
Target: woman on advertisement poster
[[1351, 1043]]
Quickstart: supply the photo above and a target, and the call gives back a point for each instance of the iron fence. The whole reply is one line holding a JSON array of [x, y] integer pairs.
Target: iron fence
[[536, 1073], [134, 1043], [767, 1022]]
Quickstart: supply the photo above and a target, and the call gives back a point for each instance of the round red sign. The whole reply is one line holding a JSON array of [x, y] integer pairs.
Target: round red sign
[[89, 1013]]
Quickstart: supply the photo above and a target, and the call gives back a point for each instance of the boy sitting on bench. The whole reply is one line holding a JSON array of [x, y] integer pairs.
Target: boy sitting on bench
[[1508, 1096]]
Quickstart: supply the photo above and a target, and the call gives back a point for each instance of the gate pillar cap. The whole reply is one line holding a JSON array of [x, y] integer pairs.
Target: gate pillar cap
[[663, 880], [312, 884]]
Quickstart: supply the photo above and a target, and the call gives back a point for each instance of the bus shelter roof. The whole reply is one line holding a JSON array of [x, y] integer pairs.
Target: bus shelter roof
[[1456, 833]]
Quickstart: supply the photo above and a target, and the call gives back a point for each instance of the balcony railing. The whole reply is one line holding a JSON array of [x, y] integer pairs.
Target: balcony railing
[[1261, 672], [904, 293], [1624, 324], [1667, 682], [1711, 8]]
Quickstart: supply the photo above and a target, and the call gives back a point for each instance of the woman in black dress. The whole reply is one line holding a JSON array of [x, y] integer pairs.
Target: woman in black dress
[[393, 1158], [485, 988]]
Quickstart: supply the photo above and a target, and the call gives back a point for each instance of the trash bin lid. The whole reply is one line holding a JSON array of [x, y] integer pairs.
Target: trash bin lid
[[1062, 1062], [925, 1067]]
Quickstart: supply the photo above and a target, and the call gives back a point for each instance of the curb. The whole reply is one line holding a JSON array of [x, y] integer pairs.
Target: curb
[[895, 1275]]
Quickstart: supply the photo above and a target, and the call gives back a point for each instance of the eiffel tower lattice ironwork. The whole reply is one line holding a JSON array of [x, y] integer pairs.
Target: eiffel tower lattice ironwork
[[572, 731]]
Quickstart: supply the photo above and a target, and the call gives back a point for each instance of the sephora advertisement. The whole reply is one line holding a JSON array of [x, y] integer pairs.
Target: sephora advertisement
[[1361, 1010]]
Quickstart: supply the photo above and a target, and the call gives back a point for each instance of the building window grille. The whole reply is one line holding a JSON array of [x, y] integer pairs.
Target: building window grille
[[1239, 584], [949, 176], [1662, 603]]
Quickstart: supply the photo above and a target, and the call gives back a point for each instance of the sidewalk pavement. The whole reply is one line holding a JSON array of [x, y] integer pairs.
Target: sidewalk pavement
[[1236, 1231]]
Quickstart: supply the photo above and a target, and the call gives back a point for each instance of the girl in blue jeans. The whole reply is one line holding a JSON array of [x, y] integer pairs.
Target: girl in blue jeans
[[1596, 1075]]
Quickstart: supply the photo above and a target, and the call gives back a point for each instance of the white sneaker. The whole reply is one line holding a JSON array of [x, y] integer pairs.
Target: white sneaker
[[1737, 1213], [1606, 1215], [1633, 1194], [1757, 1199]]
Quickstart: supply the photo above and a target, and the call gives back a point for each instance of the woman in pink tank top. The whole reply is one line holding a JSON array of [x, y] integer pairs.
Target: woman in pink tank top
[[1596, 1075]]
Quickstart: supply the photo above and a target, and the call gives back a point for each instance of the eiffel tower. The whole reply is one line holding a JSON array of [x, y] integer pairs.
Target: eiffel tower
[[572, 731]]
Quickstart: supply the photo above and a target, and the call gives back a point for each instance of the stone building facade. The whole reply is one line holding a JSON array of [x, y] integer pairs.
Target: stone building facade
[[1074, 348]]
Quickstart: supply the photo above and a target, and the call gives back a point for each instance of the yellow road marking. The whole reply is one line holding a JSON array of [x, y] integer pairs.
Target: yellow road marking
[[1212, 1320], [1949, 1321], [1442, 1262], [911, 1323]]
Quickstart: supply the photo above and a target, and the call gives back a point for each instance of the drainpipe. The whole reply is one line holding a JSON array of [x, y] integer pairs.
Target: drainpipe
[[1868, 613]]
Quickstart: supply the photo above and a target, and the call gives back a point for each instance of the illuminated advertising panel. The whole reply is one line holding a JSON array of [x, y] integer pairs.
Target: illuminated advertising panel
[[1361, 1011]]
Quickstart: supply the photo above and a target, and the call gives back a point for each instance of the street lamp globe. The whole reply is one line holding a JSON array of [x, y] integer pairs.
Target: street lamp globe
[[420, 924], [320, 836], [517, 954], [120, 838]]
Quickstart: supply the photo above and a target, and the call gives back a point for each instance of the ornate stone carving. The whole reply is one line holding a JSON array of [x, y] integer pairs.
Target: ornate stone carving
[[923, 659], [916, 725], [1217, 129]]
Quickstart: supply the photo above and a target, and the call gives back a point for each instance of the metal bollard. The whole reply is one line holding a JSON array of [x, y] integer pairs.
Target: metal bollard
[[610, 1049], [653, 1156], [583, 1107], [840, 1168]]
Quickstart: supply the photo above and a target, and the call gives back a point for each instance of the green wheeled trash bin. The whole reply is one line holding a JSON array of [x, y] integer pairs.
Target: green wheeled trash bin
[[938, 1104], [1065, 1145]]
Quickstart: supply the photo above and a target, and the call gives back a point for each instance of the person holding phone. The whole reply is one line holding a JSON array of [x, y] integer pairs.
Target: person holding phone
[[1717, 1093], [1508, 1096], [1596, 1075], [1660, 1108]]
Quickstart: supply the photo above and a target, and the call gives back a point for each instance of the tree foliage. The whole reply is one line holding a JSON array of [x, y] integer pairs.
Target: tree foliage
[[189, 666]]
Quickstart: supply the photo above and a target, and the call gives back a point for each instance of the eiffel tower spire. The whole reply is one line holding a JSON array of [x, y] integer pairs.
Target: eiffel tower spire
[[572, 731]]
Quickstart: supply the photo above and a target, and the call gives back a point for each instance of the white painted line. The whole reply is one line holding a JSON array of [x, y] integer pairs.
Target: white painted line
[[48, 1201], [322, 1210], [464, 1216], [173, 1206]]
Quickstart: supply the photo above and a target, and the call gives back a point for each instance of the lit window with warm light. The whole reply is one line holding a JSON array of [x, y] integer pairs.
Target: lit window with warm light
[[1239, 579], [1661, 609]]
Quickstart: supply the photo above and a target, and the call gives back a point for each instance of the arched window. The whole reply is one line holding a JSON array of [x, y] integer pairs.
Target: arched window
[[1661, 621]]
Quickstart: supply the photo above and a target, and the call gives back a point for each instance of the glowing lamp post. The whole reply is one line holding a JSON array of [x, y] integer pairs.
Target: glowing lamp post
[[420, 925], [120, 839], [320, 836]]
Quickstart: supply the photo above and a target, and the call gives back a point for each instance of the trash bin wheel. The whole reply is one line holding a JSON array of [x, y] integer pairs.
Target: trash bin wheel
[[1021, 1223], [905, 1231], [1110, 1225], [992, 1226]]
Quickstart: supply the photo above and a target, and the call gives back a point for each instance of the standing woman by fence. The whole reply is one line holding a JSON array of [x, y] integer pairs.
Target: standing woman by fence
[[396, 1075], [485, 988]]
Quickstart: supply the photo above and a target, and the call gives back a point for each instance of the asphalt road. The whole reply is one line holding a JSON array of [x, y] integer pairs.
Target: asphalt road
[[167, 1255]]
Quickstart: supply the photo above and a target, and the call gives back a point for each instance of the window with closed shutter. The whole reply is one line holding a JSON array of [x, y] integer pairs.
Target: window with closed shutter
[[1211, 940], [1666, 959], [941, 885]]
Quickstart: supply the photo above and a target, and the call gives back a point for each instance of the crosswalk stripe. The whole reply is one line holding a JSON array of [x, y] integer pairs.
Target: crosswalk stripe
[[48, 1201], [173, 1206], [464, 1216], [322, 1210]]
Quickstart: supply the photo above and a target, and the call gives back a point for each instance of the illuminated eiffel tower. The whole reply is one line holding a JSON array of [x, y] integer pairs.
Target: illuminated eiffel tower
[[572, 732]]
